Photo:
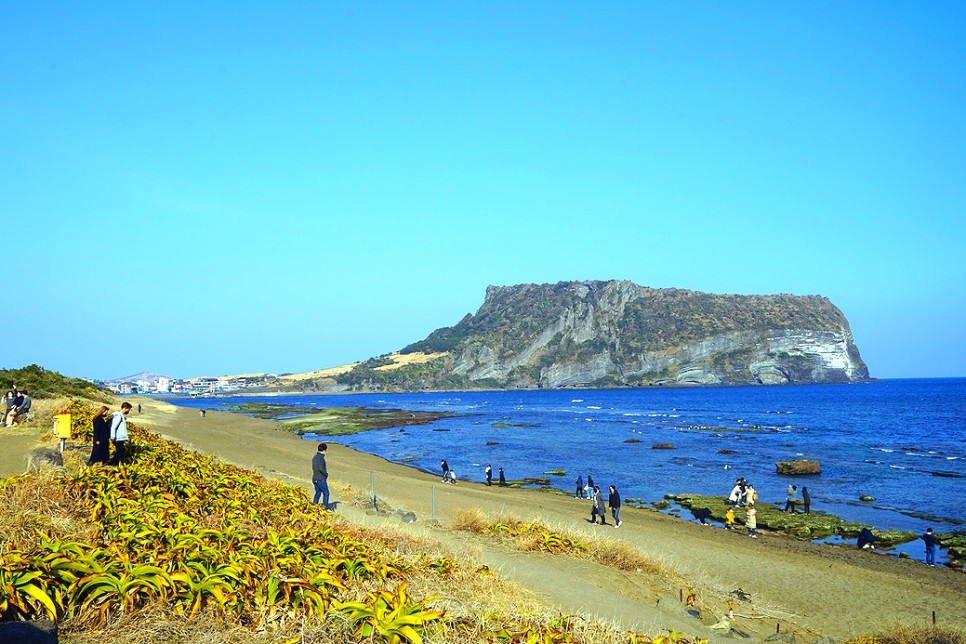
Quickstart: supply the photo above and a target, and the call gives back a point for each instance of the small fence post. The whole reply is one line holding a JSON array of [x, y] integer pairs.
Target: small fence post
[[372, 486]]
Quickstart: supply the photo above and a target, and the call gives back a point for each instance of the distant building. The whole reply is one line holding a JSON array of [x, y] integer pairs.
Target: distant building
[[164, 385]]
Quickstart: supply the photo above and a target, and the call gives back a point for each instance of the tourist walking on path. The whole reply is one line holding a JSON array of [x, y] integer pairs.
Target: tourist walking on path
[[119, 434], [443, 465], [931, 542], [489, 475], [751, 515], [597, 507], [320, 476], [101, 451], [580, 487], [791, 498], [614, 501], [806, 501], [502, 479]]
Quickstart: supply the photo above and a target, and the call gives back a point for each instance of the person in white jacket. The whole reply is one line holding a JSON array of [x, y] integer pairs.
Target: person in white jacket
[[119, 433]]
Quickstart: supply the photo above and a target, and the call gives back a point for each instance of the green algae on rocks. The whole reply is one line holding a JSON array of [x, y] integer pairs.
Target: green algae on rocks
[[817, 525], [337, 421]]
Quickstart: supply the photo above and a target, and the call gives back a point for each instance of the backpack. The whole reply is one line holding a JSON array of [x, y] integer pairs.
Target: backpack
[[755, 497]]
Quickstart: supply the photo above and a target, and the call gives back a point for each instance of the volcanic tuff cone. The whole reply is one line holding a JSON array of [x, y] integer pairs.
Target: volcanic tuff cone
[[617, 333]]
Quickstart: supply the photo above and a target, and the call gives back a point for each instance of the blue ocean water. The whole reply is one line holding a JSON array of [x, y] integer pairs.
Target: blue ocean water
[[902, 442]]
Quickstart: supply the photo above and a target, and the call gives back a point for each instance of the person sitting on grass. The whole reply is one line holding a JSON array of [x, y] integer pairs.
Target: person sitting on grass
[[20, 408]]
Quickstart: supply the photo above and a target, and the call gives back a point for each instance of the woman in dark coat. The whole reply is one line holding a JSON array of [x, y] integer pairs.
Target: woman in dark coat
[[102, 438]]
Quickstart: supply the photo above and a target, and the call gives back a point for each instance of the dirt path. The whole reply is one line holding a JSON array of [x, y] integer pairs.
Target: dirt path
[[814, 590]]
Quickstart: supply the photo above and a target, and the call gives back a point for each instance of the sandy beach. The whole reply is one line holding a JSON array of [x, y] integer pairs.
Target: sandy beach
[[810, 589]]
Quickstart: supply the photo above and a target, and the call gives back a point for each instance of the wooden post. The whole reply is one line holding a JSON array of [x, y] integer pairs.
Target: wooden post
[[934, 618], [681, 595]]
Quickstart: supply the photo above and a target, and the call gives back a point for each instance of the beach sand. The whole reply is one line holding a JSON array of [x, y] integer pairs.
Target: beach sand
[[811, 589]]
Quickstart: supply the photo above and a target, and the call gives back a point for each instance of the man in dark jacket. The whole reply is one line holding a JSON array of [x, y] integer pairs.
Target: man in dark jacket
[[614, 501], [320, 476]]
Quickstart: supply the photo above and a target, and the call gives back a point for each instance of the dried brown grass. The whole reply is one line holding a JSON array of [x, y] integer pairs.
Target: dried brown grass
[[904, 634], [37, 504], [615, 554]]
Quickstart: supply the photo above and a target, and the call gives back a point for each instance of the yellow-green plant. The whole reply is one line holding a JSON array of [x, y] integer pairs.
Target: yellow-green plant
[[391, 615]]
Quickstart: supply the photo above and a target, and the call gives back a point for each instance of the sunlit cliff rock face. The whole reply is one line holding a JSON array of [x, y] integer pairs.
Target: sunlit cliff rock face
[[616, 333]]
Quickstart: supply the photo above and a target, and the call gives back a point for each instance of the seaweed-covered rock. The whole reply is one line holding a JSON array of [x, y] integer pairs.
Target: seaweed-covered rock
[[799, 467]]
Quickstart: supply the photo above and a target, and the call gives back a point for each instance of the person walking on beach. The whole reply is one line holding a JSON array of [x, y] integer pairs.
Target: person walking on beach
[[320, 477], [730, 519], [751, 515], [614, 501], [119, 434], [791, 498], [590, 484], [502, 479], [489, 475], [100, 453], [443, 465], [580, 487], [597, 507], [931, 542], [806, 501]]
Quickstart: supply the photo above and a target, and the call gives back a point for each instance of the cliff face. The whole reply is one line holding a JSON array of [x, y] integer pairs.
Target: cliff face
[[618, 333]]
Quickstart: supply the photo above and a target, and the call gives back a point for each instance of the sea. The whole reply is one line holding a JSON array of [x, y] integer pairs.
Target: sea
[[901, 442]]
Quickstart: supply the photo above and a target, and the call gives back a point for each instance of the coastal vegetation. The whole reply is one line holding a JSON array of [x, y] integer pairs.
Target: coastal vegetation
[[534, 536], [178, 542], [42, 383]]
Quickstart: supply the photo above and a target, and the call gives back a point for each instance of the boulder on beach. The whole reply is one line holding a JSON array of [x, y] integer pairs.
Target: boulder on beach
[[799, 467], [42, 457]]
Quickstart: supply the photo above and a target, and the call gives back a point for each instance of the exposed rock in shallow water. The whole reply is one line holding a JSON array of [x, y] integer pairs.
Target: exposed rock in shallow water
[[799, 467]]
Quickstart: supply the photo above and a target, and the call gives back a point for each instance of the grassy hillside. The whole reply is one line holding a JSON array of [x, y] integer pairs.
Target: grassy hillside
[[42, 383]]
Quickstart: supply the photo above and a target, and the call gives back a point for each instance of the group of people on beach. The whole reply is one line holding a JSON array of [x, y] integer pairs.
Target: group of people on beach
[[597, 507], [16, 405], [110, 430], [449, 475]]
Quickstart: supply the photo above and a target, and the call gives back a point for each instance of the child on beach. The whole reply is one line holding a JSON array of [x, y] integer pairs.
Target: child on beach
[[730, 519]]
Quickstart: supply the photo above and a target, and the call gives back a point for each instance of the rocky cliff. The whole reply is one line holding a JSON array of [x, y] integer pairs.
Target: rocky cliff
[[616, 333]]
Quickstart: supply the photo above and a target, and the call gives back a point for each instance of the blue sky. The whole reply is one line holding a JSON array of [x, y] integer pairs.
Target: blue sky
[[217, 188]]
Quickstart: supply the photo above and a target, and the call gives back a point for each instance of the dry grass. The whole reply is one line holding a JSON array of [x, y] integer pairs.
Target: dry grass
[[534, 536], [904, 634], [401, 360], [471, 520], [619, 555], [34, 505]]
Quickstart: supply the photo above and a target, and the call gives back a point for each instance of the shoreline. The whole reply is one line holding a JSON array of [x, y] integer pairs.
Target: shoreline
[[812, 589], [951, 526]]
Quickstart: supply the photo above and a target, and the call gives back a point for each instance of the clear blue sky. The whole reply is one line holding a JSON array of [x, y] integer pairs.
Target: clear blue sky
[[215, 188]]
